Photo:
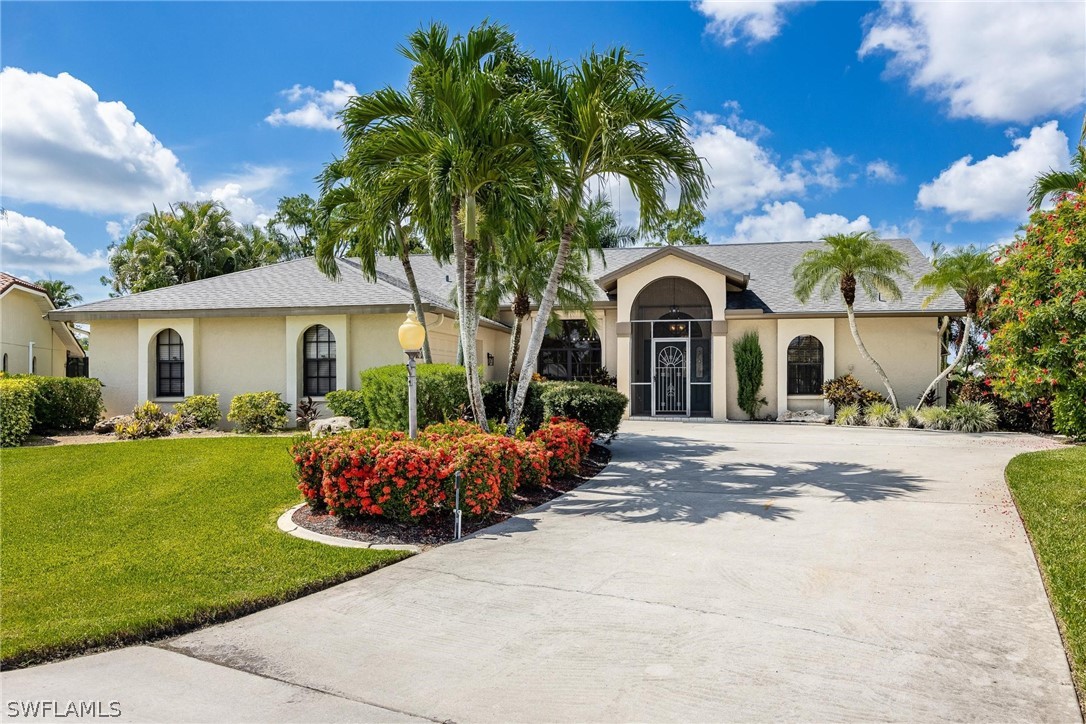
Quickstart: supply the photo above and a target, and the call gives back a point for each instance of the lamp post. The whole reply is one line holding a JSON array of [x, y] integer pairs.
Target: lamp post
[[411, 335]]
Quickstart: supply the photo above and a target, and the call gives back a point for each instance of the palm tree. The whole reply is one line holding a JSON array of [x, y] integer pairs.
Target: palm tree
[[970, 272], [464, 132], [373, 226], [60, 292], [1055, 183], [600, 224], [607, 122], [845, 261], [518, 272]]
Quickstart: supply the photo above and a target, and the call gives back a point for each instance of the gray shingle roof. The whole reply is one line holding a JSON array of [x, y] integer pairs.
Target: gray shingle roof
[[298, 287]]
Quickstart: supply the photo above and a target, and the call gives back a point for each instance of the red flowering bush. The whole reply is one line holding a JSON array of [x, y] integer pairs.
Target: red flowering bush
[[488, 471], [327, 466], [408, 481], [567, 442], [1038, 342]]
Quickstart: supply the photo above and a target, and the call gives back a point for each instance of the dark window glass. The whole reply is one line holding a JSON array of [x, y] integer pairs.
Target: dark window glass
[[574, 353], [320, 361], [5, 361], [805, 366], [170, 358]]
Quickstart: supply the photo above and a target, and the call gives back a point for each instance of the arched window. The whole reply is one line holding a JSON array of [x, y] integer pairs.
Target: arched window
[[170, 358], [319, 370], [34, 365], [805, 366]]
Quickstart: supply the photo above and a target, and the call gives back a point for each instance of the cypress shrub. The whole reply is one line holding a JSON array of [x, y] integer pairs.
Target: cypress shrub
[[749, 369]]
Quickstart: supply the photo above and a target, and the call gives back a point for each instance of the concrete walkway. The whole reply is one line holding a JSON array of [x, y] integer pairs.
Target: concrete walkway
[[733, 572]]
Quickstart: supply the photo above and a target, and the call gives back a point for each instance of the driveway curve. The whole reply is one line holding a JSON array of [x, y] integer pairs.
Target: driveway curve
[[713, 572]]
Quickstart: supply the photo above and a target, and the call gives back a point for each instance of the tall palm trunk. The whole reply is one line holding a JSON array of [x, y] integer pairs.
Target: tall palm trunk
[[409, 272], [539, 328], [867, 355], [962, 346], [467, 309], [514, 353]]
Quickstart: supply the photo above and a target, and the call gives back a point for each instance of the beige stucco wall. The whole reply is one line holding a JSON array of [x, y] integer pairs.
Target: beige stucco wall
[[20, 324], [767, 340], [238, 355], [906, 347], [113, 354]]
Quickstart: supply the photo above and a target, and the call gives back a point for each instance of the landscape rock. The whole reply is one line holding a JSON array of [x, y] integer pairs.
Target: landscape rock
[[329, 426], [804, 416], [104, 427]]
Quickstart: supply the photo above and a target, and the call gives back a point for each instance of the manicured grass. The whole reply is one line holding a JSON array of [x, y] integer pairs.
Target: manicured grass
[[115, 543], [1050, 489]]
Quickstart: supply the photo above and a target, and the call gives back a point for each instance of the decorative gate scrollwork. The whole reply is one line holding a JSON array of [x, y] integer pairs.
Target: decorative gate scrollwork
[[672, 371]]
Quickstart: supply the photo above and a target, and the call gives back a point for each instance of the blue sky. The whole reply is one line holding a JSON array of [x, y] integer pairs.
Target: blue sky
[[920, 120]]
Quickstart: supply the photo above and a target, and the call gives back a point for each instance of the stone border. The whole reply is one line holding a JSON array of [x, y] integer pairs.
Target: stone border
[[288, 526]]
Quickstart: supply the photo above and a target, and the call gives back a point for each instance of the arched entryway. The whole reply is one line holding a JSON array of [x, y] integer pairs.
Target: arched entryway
[[671, 344]]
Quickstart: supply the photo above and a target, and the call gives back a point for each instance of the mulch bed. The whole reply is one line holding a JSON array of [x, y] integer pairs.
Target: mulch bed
[[437, 529]]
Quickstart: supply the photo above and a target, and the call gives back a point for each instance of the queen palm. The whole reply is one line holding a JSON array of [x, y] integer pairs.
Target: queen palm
[[1054, 183], [463, 131], [60, 292], [361, 224], [845, 262], [607, 123], [970, 272]]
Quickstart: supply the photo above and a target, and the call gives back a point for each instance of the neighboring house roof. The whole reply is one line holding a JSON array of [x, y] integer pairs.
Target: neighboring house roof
[[288, 288], [45, 304], [299, 287]]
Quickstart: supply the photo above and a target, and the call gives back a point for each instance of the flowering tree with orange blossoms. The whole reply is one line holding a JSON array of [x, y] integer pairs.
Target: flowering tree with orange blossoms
[[1038, 316]]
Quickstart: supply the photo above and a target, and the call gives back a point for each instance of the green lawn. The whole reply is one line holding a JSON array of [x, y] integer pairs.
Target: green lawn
[[1050, 489], [116, 543]]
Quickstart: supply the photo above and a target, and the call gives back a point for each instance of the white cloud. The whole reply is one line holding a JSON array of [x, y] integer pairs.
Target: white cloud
[[787, 221], [115, 230], [30, 245], [318, 108], [244, 209], [755, 20], [996, 187], [742, 172], [64, 147], [996, 61], [880, 170]]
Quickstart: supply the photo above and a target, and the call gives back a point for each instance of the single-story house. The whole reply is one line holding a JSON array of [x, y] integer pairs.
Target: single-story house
[[30, 341], [666, 321]]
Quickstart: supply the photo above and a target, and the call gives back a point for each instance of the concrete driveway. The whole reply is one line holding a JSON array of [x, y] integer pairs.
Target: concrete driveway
[[730, 572]]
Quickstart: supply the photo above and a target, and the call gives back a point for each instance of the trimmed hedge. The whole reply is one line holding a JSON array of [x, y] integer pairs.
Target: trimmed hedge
[[348, 403], [600, 408], [532, 416], [17, 397], [442, 394], [379, 473], [258, 412], [64, 403]]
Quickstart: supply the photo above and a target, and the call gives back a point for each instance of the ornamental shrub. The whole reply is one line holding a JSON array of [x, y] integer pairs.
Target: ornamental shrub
[[567, 442], [17, 397], [335, 456], [1037, 347], [258, 412], [348, 403], [880, 414], [488, 470], [847, 390], [531, 417], [907, 417], [934, 417], [972, 417], [442, 394], [202, 409], [749, 370], [148, 420], [849, 415], [600, 408]]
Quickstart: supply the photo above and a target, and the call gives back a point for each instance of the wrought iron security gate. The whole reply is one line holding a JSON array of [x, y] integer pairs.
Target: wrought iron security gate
[[671, 377]]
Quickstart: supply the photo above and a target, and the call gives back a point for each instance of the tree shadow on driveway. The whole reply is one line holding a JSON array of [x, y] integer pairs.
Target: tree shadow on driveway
[[659, 480]]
